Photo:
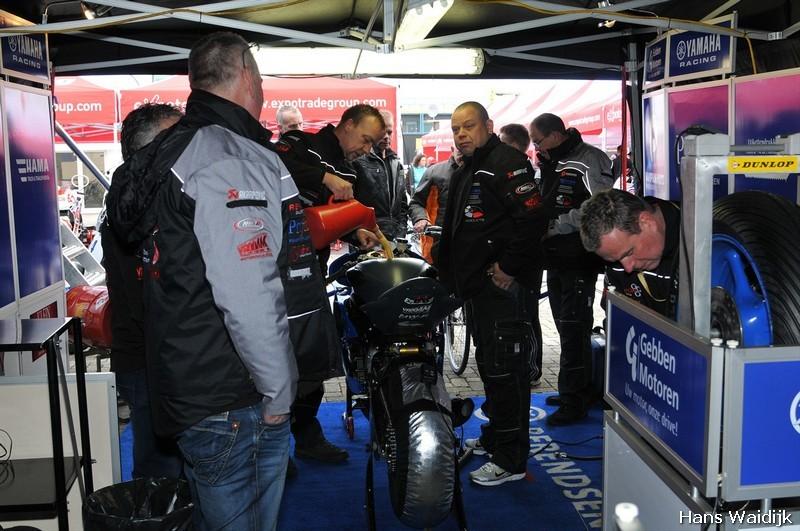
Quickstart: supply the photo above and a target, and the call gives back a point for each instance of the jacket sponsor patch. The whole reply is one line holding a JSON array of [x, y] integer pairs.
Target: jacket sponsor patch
[[256, 247], [240, 198], [524, 188], [249, 225], [512, 174]]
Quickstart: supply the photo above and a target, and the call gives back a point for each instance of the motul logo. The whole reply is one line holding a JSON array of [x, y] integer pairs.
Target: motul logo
[[254, 248]]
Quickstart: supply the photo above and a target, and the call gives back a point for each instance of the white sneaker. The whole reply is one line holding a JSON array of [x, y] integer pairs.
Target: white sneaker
[[490, 475], [476, 446]]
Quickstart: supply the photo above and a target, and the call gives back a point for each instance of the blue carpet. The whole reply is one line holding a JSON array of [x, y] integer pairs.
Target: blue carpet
[[559, 494], [126, 452]]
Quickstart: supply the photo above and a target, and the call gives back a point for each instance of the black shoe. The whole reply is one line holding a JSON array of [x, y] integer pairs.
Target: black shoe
[[565, 415], [554, 400], [321, 450], [291, 469]]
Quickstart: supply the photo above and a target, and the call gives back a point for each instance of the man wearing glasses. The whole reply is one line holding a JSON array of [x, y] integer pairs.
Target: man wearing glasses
[[572, 172]]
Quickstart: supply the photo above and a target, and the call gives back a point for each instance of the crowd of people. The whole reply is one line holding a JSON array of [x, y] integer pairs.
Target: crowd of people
[[226, 336]]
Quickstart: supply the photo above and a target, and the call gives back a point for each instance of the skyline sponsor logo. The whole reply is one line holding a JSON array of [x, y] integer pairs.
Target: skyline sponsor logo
[[794, 413], [249, 225], [256, 247]]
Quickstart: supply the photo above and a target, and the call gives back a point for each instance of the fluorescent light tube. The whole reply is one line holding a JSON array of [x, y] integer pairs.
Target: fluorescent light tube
[[327, 61], [419, 19]]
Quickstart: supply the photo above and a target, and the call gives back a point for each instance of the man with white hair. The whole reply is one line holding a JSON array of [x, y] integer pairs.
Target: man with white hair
[[289, 118]]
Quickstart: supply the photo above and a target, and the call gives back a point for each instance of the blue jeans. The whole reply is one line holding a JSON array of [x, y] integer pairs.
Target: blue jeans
[[153, 457], [236, 465]]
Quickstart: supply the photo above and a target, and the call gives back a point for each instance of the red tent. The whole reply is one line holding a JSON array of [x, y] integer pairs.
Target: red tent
[[87, 111], [321, 100]]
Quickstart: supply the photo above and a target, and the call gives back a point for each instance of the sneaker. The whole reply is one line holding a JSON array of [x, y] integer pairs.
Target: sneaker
[[553, 400], [490, 475], [565, 415], [476, 446], [321, 450]]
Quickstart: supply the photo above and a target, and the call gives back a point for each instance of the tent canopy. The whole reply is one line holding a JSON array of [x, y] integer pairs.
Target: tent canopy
[[88, 112], [552, 39]]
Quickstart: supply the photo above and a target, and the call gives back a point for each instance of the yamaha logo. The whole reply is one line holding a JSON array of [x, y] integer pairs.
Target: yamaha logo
[[632, 351], [681, 51], [794, 413], [12, 45]]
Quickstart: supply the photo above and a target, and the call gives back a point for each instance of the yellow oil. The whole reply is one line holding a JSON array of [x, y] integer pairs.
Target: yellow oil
[[387, 248]]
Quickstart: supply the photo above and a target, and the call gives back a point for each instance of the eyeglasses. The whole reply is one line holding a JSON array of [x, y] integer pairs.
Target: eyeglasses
[[538, 143], [252, 48]]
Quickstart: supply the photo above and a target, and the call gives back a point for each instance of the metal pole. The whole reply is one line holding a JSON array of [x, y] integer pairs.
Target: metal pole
[[81, 155]]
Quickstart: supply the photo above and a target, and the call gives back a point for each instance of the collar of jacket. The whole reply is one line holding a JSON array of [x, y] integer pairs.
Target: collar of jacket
[[390, 154], [204, 108], [482, 152], [330, 141], [564, 148]]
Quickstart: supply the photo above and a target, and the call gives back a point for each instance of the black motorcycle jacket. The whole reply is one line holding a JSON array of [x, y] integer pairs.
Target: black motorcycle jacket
[[573, 172], [231, 285], [657, 289], [494, 214], [380, 185]]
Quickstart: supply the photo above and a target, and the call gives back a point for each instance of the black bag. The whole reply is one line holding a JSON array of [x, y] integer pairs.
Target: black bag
[[150, 504]]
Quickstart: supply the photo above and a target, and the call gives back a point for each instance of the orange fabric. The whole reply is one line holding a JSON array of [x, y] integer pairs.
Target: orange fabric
[[432, 208]]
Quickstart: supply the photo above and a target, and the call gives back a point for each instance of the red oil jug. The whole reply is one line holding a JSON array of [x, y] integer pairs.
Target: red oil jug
[[328, 223]]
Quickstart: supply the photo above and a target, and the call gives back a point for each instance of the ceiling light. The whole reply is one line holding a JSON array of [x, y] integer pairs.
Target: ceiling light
[[323, 61], [606, 24], [88, 12], [419, 19]]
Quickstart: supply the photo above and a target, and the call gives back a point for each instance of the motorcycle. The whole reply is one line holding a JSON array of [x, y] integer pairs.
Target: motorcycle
[[390, 314]]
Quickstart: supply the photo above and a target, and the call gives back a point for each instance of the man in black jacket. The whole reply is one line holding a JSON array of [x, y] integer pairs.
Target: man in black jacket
[[153, 456], [638, 237], [231, 288], [380, 183], [490, 240], [320, 166], [572, 171]]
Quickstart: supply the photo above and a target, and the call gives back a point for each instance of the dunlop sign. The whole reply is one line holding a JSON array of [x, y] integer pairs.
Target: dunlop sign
[[765, 164]]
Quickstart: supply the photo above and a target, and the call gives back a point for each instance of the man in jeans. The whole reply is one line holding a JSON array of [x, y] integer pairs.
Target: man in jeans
[[230, 283], [153, 456]]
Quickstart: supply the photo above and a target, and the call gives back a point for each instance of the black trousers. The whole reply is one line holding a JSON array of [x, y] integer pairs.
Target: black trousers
[[305, 427], [532, 310], [571, 294], [505, 375]]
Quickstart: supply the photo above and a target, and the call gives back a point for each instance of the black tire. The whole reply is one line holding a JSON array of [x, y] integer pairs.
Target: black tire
[[458, 340], [769, 228]]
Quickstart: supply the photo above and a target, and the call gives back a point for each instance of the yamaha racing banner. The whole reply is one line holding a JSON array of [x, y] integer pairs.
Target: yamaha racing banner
[[694, 54], [770, 423], [7, 295], [661, 382], [24, 56], [30, 152]]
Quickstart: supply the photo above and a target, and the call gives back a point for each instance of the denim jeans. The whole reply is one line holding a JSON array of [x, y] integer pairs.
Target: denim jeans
[[235, 465], [153, 457]]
